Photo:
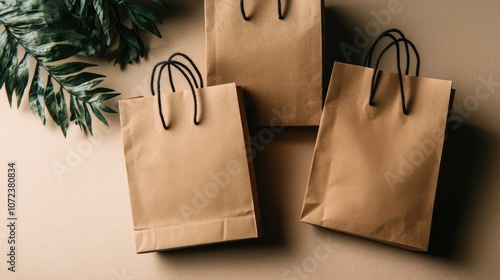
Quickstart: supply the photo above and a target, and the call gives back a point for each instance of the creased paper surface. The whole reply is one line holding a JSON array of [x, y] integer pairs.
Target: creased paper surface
[[190, 184], [375, 170]]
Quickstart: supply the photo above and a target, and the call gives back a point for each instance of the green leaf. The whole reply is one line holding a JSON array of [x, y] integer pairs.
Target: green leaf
[[50, 101], [139, 40], [143, 18], [51, 53], [129, 37], [103, 46], [48, 35], [36, 90], [78, 115], [140, 11], [99, 98], [84, 5], [5, 57], [73, 108], [41, 105], [88, 118], [10, 77], [81, 78], [70, 3], [3, 43], [92, 95], [104, 97], [161, 2], [82, 88], [78, 6], [131, 46], [82, 120], [22, 78], [99, 90], [104, 108], [102, 9], [98, 114], [69, 68], [18, 16], [62, 113]]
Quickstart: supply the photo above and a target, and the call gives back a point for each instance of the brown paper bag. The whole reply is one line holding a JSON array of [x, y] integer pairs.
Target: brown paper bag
[[375, 169], [277, 61], [190, 184]]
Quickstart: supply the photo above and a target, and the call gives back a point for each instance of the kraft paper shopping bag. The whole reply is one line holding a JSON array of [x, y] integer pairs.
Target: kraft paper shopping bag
[[190, 178], [378, 153], [273, 49]]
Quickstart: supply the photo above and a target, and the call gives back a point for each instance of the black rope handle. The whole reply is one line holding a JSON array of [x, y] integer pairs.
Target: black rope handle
[[181, 67], [172, 86], [400, 77], [384, 34], [406, 41], [176, 64], [242, 8], [281, 16], [280, 13], [372, 87], [200, 77]]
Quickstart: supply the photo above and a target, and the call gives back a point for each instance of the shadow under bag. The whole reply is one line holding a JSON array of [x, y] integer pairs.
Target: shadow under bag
[[378, 152], [273, 49], [190, 174]]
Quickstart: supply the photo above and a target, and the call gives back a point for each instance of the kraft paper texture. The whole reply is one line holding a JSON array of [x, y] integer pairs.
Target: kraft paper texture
[[190, 184], [278, 62], [375, 170]]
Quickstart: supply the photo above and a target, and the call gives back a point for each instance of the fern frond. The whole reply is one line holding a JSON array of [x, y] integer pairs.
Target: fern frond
[[32, 29], [103, 21]]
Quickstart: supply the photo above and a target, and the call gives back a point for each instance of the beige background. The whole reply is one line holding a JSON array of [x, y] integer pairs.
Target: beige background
[[79, 226]]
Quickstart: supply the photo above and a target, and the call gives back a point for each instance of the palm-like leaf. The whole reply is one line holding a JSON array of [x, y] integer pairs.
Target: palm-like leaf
[[45, 32], [102, 21]]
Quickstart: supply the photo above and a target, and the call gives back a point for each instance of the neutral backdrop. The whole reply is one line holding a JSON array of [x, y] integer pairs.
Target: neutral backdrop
[[78, 225]]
